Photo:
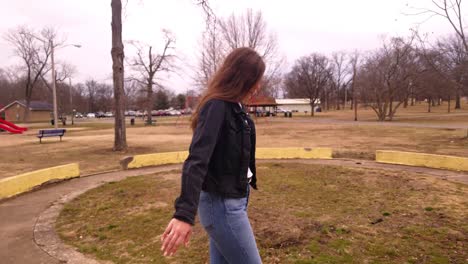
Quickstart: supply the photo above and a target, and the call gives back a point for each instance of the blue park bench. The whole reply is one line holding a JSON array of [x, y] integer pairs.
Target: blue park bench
[[51, 133]]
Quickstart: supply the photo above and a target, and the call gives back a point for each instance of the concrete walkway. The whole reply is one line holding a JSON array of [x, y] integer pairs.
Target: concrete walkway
[[18, 216]]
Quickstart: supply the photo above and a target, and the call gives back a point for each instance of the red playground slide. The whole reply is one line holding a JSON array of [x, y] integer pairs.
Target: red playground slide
[[10, 127]]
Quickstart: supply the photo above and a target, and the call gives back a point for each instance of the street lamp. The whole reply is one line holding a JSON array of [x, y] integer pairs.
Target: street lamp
[[54, 88]]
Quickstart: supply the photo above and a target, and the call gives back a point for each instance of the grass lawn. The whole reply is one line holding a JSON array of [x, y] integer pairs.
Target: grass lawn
[[301, 214], [90, 141]]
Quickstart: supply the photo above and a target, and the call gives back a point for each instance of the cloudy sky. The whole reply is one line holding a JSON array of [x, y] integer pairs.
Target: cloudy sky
[[301, 26]]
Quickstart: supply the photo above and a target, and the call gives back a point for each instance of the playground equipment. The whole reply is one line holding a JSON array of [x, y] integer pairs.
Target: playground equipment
[[10, 127]]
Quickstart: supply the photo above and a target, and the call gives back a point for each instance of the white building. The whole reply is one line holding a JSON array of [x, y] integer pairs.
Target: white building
[[296, 105]]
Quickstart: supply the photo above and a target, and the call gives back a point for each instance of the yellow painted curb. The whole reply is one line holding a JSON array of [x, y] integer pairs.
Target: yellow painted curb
[[156, 159], [22, 183], [293, 153], [422, 160], [139, 161]]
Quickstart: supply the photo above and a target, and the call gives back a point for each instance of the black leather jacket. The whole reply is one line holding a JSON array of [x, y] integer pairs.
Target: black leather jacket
[[222, 150]]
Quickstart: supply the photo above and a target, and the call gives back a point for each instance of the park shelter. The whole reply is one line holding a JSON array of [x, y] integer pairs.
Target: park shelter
[[261, 104], [296, 104], [15, 111]]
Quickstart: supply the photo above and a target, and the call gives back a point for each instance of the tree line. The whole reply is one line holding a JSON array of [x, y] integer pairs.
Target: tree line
[[404, 70], [88, 97], [399, 73]]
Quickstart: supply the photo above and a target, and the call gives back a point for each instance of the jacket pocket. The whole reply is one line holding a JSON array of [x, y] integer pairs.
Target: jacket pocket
[[205, 209]]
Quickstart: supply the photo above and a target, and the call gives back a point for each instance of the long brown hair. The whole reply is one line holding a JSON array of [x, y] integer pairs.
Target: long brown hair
[[242, 69]]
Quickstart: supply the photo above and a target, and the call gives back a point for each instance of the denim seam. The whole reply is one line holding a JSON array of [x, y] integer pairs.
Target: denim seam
[[246, 256]]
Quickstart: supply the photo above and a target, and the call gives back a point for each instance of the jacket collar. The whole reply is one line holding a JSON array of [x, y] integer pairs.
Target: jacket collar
[[238, 109]]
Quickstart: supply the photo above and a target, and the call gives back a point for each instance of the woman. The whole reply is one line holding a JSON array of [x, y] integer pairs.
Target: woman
[[221, 165]]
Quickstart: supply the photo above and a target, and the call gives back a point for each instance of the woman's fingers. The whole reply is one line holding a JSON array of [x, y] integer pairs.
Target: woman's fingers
[[176, 245], [164, 238], [176, 233], [167, 231], [170, 242], [187, 238]]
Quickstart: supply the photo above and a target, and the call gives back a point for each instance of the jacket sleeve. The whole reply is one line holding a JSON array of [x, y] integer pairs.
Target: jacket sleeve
[[195, 168], [252, 166]]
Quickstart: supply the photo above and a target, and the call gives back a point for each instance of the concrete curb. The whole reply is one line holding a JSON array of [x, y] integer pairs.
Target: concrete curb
[[293, 153], [422, 160], [156, 159], [15, 185], [48, 240]]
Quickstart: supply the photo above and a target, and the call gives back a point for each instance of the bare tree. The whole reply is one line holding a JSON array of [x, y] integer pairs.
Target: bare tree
[[354, 61], [211, 54], [117, 52], [225, 34], [451, 10], [308, 78], [63, 71], [34, 55], [147, 64], [340, 77], [386, 76]]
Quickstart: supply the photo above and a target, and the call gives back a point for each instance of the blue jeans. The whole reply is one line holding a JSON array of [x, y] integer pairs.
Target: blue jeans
[[231, 237]]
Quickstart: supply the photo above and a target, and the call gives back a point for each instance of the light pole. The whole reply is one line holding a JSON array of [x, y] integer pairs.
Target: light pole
[[50, 42], [71, 101], [54, 88]]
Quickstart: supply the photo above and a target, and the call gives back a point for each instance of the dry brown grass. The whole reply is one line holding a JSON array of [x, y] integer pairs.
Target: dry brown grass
[[301, 214], [90, 142]]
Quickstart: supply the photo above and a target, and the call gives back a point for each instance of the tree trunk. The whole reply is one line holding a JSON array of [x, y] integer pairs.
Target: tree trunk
[[149, 104], [345, 98], [28, 103], [312, 106], [448, 109], [27, 111], [390, 108], [355, 107], [429, 100], [117, 52], [457, 100]]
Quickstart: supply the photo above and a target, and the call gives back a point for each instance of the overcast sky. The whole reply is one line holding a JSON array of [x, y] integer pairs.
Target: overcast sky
[[301, 26]]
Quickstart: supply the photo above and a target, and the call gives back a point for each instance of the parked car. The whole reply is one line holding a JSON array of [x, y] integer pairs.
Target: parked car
[[130, 113], [174, 112], [186, 111], [79, 115], [139, 114], [91, 115], [100, 114], [108, 114], [281, 110]]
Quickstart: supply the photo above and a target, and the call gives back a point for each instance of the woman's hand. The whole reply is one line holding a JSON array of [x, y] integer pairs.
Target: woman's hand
[[177, 233]]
